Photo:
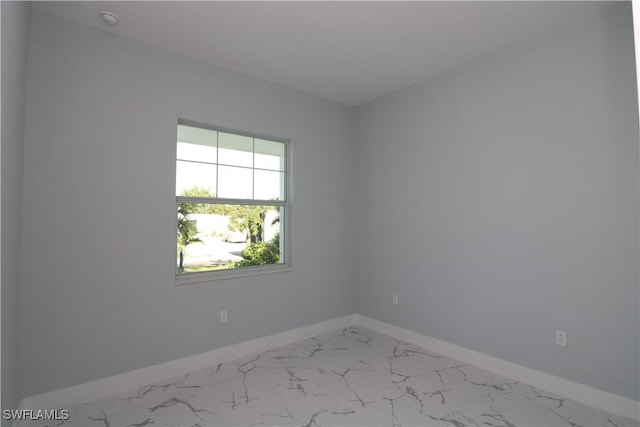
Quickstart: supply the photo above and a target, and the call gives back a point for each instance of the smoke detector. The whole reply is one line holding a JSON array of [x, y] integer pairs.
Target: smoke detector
[[109, 18]]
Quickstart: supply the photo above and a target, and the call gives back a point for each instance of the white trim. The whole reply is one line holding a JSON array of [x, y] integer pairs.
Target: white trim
[[232, 273], [600, 399], [109, 386]]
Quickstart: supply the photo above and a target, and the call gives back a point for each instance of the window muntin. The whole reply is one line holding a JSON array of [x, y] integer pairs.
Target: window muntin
[[231, 201]]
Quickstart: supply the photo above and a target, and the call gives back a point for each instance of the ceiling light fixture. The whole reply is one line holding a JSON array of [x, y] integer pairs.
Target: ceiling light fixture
[[109, 18]]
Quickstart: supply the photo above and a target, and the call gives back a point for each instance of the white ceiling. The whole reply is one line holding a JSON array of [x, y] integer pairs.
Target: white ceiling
[[348, 52]]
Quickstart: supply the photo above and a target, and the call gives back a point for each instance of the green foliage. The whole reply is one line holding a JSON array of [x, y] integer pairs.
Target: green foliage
[[261, 253], [187, 228], [276, 240], [243, 218], [249, 218], [202, 208], [187, 231], [196, 191]]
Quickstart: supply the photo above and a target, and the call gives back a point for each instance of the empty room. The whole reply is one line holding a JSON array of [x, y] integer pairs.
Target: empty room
[[320, 214]]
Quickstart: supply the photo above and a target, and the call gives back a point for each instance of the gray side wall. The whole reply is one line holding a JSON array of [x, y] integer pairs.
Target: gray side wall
[[499, 200], [15, 43], [98, 295]]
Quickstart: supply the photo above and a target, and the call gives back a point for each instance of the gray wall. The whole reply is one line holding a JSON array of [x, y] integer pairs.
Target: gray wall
[[98, 295], [15, 42], [500, 202]]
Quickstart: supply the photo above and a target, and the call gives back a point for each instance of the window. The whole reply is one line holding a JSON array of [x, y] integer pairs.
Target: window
[[231, 203]]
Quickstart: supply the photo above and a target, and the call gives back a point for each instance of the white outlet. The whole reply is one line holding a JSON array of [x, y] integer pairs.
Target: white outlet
[[223, 316], [561, 338], [395, 299]]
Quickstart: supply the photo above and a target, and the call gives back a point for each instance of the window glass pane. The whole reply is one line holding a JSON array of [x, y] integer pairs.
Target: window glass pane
[[235, 150], [199, 153], [280, 237], [221, 237], [269, 185], [191, 176], [269, 155], [196, 144], [235, 183]]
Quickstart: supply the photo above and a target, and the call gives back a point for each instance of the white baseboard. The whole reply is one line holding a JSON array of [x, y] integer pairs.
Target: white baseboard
[[109, 386], [606, 401]]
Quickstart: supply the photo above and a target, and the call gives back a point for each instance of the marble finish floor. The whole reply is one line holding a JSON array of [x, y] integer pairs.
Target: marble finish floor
[[352, 377]]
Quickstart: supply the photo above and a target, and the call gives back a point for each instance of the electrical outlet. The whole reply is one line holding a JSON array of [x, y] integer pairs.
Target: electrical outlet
[[561, 338], [395, 299], [223, 316]]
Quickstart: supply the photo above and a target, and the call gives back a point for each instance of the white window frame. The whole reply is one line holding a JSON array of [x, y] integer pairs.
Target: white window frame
[[285, 226]]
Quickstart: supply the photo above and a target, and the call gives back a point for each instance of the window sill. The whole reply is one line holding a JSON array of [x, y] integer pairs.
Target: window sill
[[212, 276]]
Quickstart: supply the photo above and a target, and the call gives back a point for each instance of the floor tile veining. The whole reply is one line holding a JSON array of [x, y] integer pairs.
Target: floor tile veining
[[353, 377]]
